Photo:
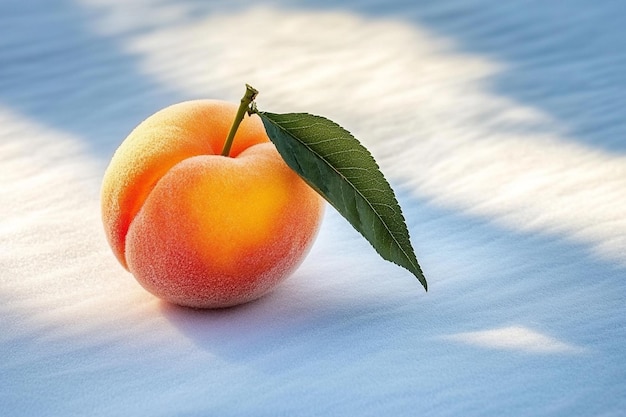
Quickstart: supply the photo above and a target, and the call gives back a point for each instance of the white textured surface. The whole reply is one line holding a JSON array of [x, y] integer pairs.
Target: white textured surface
[[502, 125]]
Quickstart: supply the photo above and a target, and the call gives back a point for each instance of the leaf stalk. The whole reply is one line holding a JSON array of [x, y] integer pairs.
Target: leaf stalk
[[244, 106]]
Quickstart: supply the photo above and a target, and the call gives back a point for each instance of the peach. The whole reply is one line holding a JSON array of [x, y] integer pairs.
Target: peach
[[200, 229]]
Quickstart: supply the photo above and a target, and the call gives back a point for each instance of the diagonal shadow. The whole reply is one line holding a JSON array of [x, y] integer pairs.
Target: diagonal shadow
[[55, 70], [58, 60], [483, 276], [565, 58]]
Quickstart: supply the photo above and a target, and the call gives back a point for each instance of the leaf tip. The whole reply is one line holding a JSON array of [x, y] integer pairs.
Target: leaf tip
[[422, 279]]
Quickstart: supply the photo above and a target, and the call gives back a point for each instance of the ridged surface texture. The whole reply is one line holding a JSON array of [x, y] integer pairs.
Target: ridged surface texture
[[500, 125]]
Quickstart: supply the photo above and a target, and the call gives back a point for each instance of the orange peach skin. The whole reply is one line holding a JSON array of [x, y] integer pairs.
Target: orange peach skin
[[199, 229]]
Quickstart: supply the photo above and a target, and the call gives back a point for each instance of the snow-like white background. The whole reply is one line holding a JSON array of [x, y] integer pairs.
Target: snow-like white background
[[501, 125]]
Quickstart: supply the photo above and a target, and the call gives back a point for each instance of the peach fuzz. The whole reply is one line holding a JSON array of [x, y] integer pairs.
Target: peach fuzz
[[199, 229]]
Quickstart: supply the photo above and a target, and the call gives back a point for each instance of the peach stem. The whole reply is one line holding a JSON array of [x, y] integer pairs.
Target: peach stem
[[248, 98]]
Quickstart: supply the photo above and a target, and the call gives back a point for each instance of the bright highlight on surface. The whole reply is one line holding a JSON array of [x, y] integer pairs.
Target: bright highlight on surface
[[508, 209], [515, 338]]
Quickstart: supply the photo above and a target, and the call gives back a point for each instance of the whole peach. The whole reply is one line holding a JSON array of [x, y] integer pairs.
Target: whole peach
[[199, 229]]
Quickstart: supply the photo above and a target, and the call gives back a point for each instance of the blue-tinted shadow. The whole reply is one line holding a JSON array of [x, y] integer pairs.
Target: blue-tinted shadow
[[55, 70], [481, 277], [566, 58]]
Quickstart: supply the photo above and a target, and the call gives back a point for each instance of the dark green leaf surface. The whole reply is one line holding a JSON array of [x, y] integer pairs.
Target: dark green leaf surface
[[344, 172]]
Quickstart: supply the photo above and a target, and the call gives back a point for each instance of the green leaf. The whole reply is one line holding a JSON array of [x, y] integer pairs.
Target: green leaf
[[344, 172]]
